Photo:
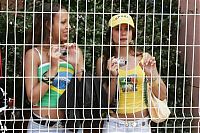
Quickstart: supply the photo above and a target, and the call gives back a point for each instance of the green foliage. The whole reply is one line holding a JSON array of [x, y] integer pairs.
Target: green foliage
[[156, 33]]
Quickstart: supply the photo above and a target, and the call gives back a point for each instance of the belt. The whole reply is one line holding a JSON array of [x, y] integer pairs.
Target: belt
[[43, 122]]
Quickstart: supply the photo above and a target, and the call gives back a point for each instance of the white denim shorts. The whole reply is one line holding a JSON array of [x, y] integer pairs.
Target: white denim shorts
[[137, 126]]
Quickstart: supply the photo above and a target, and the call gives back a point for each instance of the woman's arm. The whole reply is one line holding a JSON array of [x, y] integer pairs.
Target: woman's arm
[[157, 85], [80, 65], [35, 89], [112, 67], [153, 77]]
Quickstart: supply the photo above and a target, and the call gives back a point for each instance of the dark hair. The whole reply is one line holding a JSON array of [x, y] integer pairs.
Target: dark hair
[[43, 18], [109, 51]]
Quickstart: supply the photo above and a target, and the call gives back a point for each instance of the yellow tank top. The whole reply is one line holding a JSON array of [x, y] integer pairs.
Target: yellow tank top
[[131, 94]]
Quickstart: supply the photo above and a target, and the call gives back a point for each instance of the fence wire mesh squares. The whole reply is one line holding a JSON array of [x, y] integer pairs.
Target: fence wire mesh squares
[[89, 66]]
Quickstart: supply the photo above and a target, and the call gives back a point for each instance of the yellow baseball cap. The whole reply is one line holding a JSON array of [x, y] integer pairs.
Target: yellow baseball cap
[[122, 18]]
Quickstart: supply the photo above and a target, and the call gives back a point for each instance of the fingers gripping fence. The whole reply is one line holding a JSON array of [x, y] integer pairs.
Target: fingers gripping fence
[[99, 66]]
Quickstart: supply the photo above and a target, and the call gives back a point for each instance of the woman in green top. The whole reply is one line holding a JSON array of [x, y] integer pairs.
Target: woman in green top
[[47, 69]]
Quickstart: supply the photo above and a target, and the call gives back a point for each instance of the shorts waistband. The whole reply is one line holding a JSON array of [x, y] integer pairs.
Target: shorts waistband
[[135, 123]]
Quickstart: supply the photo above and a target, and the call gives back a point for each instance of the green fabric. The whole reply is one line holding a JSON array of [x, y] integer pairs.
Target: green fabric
[[51, 97], [45, 67]]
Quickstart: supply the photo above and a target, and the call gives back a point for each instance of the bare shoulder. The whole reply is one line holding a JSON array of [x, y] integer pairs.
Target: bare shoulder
[[32, 55], [100, 60], [30, 51]]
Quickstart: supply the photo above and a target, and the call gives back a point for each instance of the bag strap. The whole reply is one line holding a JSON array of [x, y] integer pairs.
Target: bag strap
[[145, 92]]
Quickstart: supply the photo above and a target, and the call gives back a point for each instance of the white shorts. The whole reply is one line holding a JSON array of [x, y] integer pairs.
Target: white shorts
[[136, 126]]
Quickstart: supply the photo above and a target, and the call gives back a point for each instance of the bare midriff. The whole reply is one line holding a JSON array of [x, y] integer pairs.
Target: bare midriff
[[49, 113], [130, 116]]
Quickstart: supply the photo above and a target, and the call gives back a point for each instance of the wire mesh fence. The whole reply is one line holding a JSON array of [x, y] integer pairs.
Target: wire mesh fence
[[33, 79]]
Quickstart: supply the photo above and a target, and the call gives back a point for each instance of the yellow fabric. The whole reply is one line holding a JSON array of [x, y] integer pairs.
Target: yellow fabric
[[131, 95], [60, 91], [122, 18], [62, 69]]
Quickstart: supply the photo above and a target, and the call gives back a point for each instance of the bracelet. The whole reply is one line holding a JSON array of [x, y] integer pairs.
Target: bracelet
[[154, 83], [48, 80], [153, 79]]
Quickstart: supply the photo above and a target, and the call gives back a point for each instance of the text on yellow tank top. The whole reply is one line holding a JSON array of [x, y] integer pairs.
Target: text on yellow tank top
[[131, 95]]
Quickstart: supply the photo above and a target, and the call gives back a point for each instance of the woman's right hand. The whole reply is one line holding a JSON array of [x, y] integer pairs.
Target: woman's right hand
[[55, 56], [112, 67], [72, 56]]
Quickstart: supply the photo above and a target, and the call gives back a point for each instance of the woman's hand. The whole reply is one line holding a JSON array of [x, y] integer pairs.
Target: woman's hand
[[71, 56], [74, 56], [149, 65], [55, 56], [112, 66]]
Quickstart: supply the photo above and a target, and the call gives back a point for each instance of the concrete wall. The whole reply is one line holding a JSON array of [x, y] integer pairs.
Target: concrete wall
[[190, 37]]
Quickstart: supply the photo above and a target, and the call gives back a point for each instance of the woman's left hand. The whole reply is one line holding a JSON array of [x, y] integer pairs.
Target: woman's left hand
[[71, 54], [149, 65]]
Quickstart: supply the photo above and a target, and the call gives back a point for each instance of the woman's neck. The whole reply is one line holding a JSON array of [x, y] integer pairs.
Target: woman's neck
[[121, 52]]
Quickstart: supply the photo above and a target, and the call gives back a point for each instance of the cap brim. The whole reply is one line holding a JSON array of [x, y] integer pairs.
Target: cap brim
[[113, 25]]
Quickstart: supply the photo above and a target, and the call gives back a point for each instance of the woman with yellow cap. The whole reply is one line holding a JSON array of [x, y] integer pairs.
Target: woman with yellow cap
[[124, 70]]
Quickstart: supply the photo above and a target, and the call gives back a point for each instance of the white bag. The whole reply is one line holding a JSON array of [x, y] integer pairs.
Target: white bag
[[158, 109]]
